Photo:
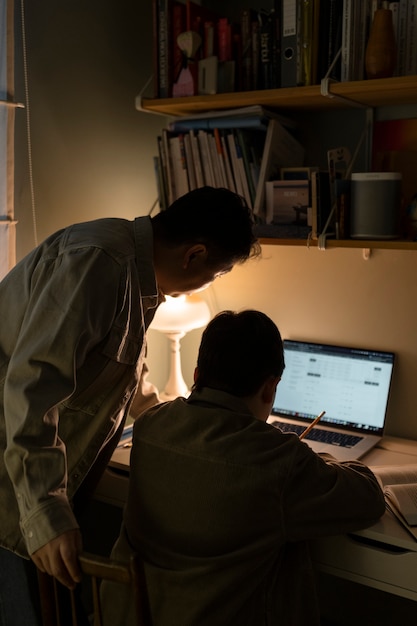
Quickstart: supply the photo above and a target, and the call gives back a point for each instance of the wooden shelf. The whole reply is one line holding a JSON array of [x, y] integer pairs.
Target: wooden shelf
[[400, 90], [367, 93], [343, 243]]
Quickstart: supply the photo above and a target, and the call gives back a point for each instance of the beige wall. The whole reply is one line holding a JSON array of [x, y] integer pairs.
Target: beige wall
[[335, 296]]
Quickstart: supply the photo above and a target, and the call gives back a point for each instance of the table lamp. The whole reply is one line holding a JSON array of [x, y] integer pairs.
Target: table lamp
[[175, 317]]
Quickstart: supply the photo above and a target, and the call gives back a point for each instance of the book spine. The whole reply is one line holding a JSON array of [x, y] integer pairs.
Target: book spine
[[265, 49], [276, 44], [179, 165], [411, 39], [163, 200], [346, 54], [218, 182], [255, 52], [224, 34], [195, 149], [178, 27], [228, 166], [164, 57], [394, 7], [192, 181], [242, 172], [246, 38], [220, 157], [235, 165], [360, 41], [306, 42], [169, 165], [402, 34], [155, 50], [205, 158]]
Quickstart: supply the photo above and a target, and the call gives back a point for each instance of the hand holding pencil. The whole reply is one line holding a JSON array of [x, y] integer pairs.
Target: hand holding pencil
[[311, 426]]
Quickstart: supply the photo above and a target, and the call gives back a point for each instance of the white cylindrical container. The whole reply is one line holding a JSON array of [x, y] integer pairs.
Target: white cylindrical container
[[375, 205]]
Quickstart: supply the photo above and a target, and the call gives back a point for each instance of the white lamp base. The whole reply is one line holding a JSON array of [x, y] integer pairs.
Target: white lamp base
[[175, 385]]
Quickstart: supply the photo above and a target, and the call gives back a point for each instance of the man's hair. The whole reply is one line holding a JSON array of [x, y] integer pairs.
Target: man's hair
[[219, 218], [239, 352]]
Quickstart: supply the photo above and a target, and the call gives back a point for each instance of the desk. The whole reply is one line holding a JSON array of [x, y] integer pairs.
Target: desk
[[383, 556]]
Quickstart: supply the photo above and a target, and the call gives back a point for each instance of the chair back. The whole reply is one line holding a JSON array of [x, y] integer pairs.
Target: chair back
[[62, 607]]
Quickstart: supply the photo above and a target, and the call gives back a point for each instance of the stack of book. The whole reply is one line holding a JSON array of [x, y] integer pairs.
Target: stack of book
[[238, 150]]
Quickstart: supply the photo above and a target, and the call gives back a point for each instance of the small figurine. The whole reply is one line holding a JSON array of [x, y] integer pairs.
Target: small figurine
[[186, 83]]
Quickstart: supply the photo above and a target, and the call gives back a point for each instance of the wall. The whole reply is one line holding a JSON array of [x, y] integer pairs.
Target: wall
[[91, 150]]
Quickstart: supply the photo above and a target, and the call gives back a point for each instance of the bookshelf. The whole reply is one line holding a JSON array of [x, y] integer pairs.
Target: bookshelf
[[401, 90]]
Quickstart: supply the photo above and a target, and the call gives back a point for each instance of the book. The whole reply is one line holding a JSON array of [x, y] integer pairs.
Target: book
[[206, 158], [308, 41], [254, 110], [169, 167], [281, 149], [245, 140], [320, 203], [162, 172], [227, 161], [247, 16], [192, 178], [399, 484], [195, 150], [401, 37], [221, 159], [267, 79], [411, 39], [234, 164], [163, 14], [330, 40], [347, 53], [179, 163], [159, 182]]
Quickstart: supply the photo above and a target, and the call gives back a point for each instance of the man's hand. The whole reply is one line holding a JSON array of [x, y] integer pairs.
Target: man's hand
[[59, 558]]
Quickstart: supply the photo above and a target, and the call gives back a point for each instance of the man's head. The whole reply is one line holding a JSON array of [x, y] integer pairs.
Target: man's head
[[242, 354], [200, 236]]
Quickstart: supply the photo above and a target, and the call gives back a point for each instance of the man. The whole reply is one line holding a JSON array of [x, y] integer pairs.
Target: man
[[221, 503], [74, 314]]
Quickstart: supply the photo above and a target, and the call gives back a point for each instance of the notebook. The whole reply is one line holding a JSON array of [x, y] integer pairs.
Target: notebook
[[351, 385]]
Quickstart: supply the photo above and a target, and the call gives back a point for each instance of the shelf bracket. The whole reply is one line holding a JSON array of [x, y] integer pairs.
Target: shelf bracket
[[328, 93], [327, 81], [139, 98]]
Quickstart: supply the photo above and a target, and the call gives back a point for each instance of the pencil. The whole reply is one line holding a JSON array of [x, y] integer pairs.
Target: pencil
[[310, 426]]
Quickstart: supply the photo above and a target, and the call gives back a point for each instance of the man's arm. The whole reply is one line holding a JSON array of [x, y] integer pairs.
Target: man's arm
[[326, 497]]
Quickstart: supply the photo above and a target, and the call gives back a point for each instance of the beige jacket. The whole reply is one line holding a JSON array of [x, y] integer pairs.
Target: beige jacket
[[72, 338]]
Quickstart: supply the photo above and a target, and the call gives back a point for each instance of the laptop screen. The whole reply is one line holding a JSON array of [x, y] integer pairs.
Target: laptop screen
[[352, 385]]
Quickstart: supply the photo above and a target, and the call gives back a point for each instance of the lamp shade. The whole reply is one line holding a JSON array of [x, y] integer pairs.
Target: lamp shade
[[181, 314]]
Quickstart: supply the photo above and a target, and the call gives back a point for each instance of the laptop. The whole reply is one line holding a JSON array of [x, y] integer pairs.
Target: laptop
[[351, 385]]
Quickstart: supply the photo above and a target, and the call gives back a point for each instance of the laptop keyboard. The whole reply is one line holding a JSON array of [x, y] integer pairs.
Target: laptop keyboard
[[324, 436]]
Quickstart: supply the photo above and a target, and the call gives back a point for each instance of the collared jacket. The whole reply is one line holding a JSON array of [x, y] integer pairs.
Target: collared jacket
[[221, 507], [73, 317]]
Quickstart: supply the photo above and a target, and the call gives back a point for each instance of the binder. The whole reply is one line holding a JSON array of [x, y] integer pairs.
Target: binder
[[289, 43]]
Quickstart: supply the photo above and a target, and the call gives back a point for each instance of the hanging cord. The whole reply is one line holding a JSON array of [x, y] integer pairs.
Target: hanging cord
[[28, 126]]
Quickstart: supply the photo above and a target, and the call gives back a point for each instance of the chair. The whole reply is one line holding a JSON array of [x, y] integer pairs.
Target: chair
[[62, 607]]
